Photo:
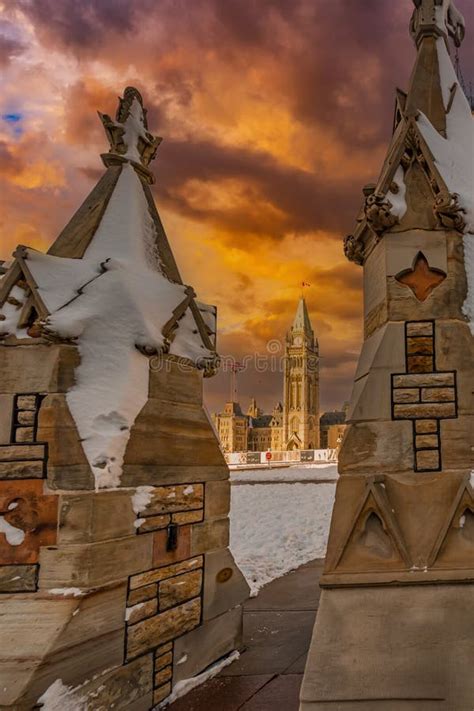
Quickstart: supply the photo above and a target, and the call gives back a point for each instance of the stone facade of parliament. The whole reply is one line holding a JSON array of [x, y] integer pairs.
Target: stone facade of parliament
[[293, 425]]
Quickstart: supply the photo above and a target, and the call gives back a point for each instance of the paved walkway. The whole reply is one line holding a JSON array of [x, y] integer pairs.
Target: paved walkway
[[277, 631]]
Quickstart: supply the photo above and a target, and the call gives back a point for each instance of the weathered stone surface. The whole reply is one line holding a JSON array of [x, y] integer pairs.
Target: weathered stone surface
[[427, 459], [25, 417], [73, 477], [434, 622], [224, 585], [424, 410], [438, 394], [182, 433], [95, 516], [93, 564], [194, 651], [420, 364], [154, 523], [161, 628], [406, 395], [163, 649], [423, 328], [18, 578], [163, 675], [361, 454], [26, 402], [163, 661], [457, 437], [24, 434], [414, 380], [426, 426], [168, 381], [167, 499], [25, 507], [152, 475], [22, 470], [6, 405], [162, 556], [420, 346], [22, 452], [153, 576], [176, 590], [20, 371], [57, 427], [128, 687], [217, 502], [161, 693], [141, 611], [209, 536], [188, 517], [426, 441], [148, 592]]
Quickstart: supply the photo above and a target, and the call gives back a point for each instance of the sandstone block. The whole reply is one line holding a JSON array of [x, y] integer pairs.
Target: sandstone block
[[22, 470], [22, 452], [167, 499], [420, 364], [6, 406], [26, 402], [438, 394], [163, 649], [414, 380], [217, 499], [148, 592], [152, 475], [427, 459], [424, 410], [420, 346], [153, 576], [95, 516], [421, 328], [25, 417], [18, 578], [176, 590], [141, 611], [161, 693], [24, 434], [169, 382], [154, 523], [92, 564], [406, 395], [148, 634], [210, 535], [163, 675], [194, 651], [20, 372], [186, 517], [426, 426], [163, 661], [224, 585], [426, 442]]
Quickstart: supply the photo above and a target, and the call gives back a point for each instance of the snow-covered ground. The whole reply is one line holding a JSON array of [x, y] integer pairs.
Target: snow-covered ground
[[276, 527], [300, 472]]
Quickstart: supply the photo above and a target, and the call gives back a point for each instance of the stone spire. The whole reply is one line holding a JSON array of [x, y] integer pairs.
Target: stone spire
[[401, 531], [301, 322]]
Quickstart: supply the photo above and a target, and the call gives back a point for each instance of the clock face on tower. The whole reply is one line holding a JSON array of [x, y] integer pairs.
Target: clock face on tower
[[298, 341]]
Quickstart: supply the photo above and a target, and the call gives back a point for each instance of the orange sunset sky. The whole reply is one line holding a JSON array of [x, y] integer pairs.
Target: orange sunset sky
[[274, 114]]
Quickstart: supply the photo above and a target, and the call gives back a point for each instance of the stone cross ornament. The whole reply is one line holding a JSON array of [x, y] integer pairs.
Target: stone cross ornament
[[440, 15]]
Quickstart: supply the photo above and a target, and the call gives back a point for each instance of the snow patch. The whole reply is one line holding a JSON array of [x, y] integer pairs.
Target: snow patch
[[66, 592], [188, 490], [186, 685], [275, 528], [141, 498], [15, 536], [292, 474], [59, 697], [397, 199], [130, 610]]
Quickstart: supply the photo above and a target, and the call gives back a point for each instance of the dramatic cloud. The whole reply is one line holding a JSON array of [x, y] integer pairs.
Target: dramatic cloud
[[274, 114]]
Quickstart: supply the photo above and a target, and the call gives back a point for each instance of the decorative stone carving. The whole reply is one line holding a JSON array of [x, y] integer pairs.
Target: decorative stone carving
[[421, 278], [354, 249], [449, 212], [378, 213]]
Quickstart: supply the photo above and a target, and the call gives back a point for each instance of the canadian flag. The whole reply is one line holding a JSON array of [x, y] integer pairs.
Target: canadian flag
[[305, 283]]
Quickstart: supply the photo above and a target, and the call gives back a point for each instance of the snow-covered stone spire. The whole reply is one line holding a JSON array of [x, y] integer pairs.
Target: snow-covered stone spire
[[128, 135]]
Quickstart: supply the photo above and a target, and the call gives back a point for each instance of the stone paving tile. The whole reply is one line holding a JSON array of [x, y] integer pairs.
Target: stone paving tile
[[280, 694], [298, 590], [274, 641], [298, 666], [222, 693]]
